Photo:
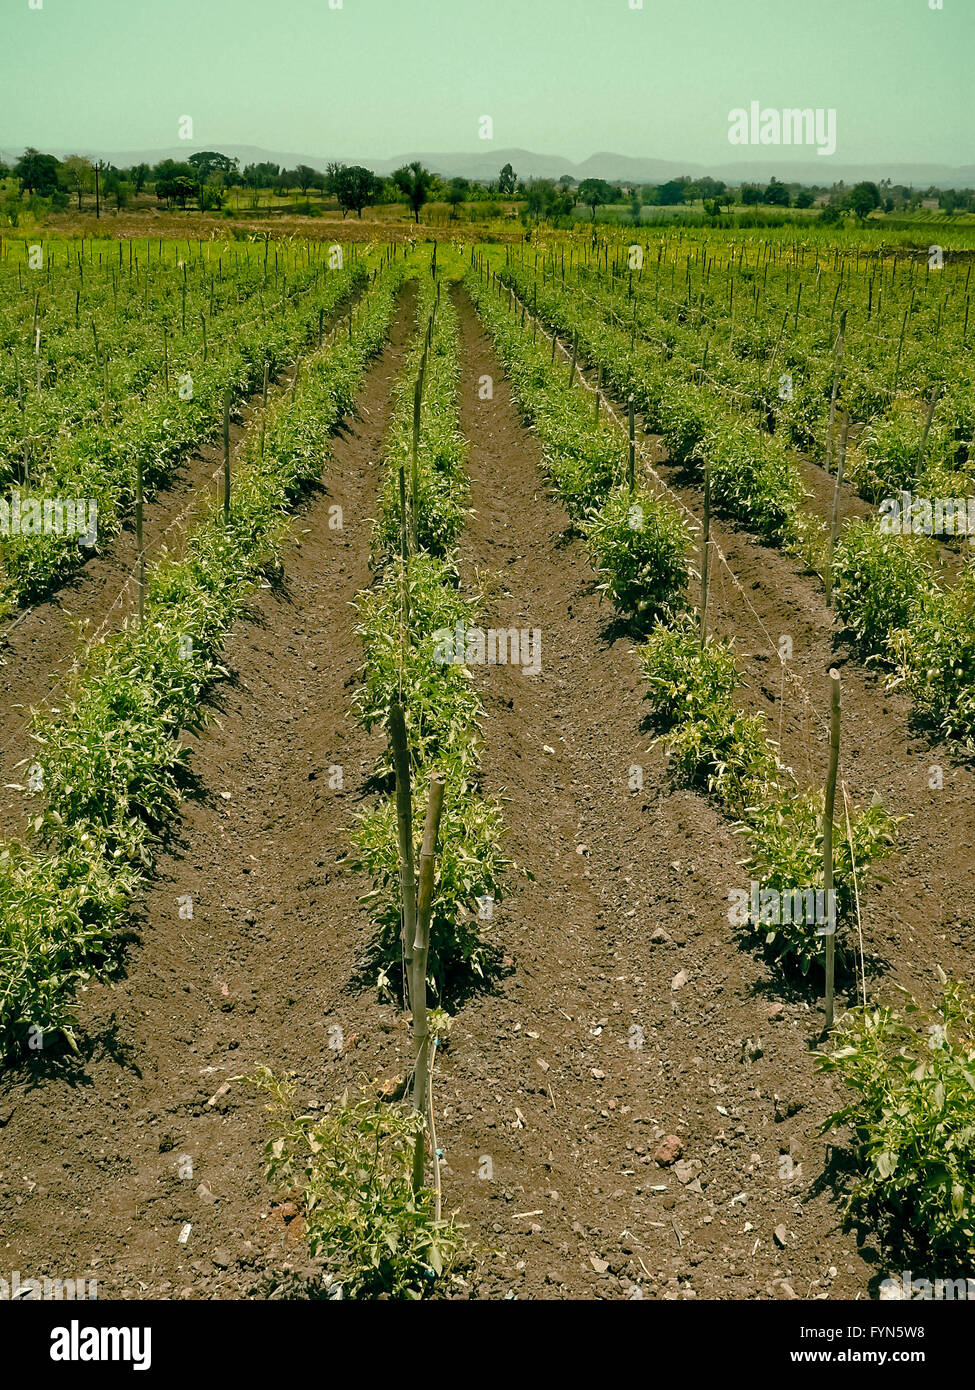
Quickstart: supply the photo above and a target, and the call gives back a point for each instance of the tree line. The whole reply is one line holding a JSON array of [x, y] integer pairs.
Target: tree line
[[207, 178]]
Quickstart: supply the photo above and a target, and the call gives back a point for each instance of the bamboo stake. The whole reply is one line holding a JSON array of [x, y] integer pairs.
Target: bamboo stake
[[830, 798], [404, 817], [415, 476], [631, 459], [834, 520], [226, 458], [141, 577], [935, 393], [705, 553], [421, 949]]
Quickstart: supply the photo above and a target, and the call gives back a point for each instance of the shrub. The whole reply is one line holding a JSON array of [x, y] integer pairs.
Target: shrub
[[441, 702], [935, 657], [785, 838], [912, 1120], [639, 546], [351, 1173], [712, 744], [880, 582]]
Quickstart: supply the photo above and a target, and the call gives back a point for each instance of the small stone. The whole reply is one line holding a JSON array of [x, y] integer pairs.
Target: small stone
[[222, 1257], [679, 980], [668, 1150], [660, 937], [781, 1235]]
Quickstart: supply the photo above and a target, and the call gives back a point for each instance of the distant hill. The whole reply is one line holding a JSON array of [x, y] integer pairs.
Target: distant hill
[[485, 164]]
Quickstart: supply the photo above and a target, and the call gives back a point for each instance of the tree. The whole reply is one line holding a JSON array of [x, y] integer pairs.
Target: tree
[[863, 198], [260, 175], [115, 186], [414, 182], [207, 162], [506, 181], [705, 188], [305, 177], [636, 205], [805, 198], [457, 191], [830, 215], [138, 175], [38, 173], [355, 188], [593, 192], [176, 182], [750, 194], [78, 175], [673, 192], [777, 194]]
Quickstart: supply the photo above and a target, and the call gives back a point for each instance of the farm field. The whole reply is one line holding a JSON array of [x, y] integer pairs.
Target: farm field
[[508, 685]]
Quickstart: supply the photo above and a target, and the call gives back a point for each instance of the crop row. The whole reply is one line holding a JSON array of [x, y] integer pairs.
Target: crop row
[[884, 589], [153, 431], [911, 1113], [403, 622], [110, 765]]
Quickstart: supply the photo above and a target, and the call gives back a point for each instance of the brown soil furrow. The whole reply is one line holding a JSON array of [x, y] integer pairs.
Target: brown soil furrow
[[561, 1083]]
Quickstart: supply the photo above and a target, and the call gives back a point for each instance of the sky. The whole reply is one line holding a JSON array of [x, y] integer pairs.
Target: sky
[[375, 78]]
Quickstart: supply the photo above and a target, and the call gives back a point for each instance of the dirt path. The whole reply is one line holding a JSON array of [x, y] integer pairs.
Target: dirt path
[[248, 978], [562, 1083]]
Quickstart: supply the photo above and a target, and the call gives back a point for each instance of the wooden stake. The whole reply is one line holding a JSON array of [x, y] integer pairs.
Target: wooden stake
[[631, 460], [935, 393], [838, 357]]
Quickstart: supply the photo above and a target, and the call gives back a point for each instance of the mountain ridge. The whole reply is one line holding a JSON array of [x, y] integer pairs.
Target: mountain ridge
[[484, 166]]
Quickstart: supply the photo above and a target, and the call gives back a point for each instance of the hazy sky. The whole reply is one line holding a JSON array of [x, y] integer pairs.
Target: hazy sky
[[376, 78]]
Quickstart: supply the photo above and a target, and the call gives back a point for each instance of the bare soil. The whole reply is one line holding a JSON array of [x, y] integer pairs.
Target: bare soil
[[630, 1010]]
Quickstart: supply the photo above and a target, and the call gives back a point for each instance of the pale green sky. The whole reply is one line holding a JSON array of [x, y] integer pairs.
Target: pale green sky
[[381, 77]]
